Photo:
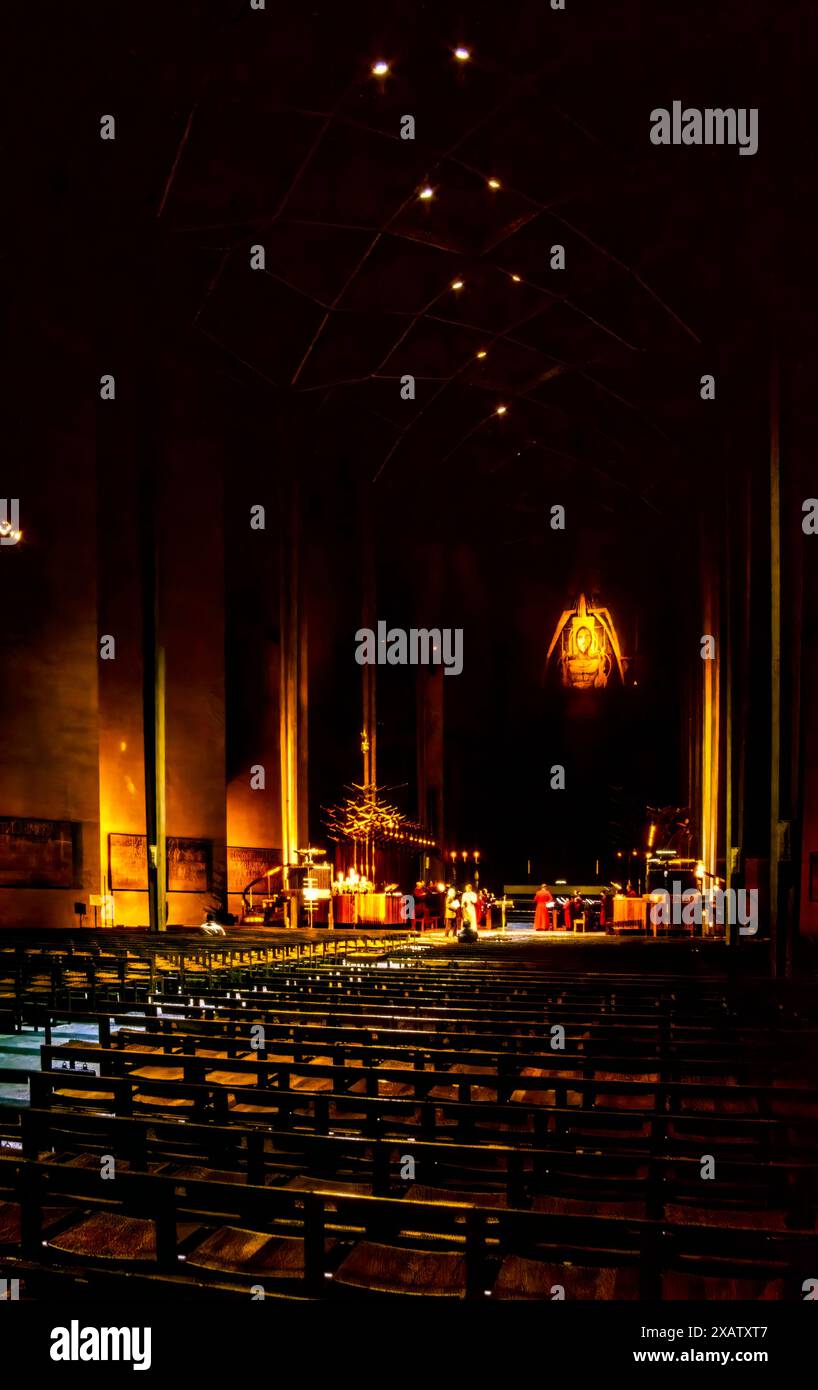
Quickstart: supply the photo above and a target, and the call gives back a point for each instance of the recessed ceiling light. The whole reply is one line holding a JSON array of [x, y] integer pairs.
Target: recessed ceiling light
[[482, 352], [457, 284], [516, 279], [462, 55], [494, 183], [380, 69], [501, 410], [426, 193]]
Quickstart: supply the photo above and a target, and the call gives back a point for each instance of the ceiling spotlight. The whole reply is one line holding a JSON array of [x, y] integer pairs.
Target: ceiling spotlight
[[457, 284], [462, 55], [494, 183], [501, 410], [516, 279], [482, 352], [380, 69], [426, 193]]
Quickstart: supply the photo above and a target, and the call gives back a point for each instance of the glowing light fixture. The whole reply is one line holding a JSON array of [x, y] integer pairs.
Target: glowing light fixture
[[462, 55], [482, 352], [380, 69], [516, 279], [501, 410], [426, 193], [457, 284], [494, 183]]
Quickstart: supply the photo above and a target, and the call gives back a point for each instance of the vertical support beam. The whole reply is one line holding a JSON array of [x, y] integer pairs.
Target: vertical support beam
[[730, 927], [369, 729], [710, 724], [153, 705], [775, 667], [744, 674], [292, 649], [303, 695]]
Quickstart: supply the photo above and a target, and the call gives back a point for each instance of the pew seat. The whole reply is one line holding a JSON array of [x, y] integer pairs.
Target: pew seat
[[84, 1097], [419, 1192], [390, 1269], [681, 1285], [10, 1222], [232, 1250], [756, 1219], [305, 1182], [263, 1110], [478, 1093], [195, 1172], [522, 1278], [105, 1235], [167, 1102], [547, 1097], [577, 1206], [386, 1086], [614, 1101], [314, 1083]]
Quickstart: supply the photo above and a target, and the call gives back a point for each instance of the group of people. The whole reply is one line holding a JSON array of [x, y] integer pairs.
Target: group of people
[[549, 915], [458, 908], [596, 912]]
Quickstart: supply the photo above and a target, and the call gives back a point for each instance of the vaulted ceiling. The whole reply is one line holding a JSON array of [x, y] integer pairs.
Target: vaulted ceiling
[[238, 128]]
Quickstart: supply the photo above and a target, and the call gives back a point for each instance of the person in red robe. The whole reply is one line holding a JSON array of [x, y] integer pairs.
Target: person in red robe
[[543, 906]]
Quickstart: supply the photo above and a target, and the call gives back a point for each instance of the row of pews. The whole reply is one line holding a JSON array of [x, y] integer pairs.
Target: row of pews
[[109, 967], [422, 1124]]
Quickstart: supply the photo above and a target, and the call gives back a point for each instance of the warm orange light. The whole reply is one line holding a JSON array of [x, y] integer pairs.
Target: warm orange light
[[494, 183], [426, 193], [457, 284], [501, 410], [123, 746], [380, 69], [651, 835], [482, 352], [462, 55], [516, 279]]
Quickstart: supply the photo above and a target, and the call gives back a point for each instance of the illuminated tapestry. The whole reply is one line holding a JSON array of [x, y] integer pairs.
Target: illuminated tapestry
[[588, 646]]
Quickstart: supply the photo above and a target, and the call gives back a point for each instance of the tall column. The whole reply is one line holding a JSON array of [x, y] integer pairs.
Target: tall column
[[710, 722], [293, 688], [776, 963], [369, 728], [728, 674], [153, 705]]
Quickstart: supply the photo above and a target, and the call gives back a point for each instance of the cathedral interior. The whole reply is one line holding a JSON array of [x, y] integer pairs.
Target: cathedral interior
[[326, 320]]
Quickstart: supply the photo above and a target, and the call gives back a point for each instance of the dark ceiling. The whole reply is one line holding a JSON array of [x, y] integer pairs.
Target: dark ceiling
[[238, 127]]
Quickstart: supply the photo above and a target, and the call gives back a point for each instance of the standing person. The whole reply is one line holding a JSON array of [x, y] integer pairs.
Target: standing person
[[421, 906], [544, 905], [450, 911], [468, 902]]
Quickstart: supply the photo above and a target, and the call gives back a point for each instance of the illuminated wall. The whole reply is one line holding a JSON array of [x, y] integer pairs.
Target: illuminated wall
[[48, 690]]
